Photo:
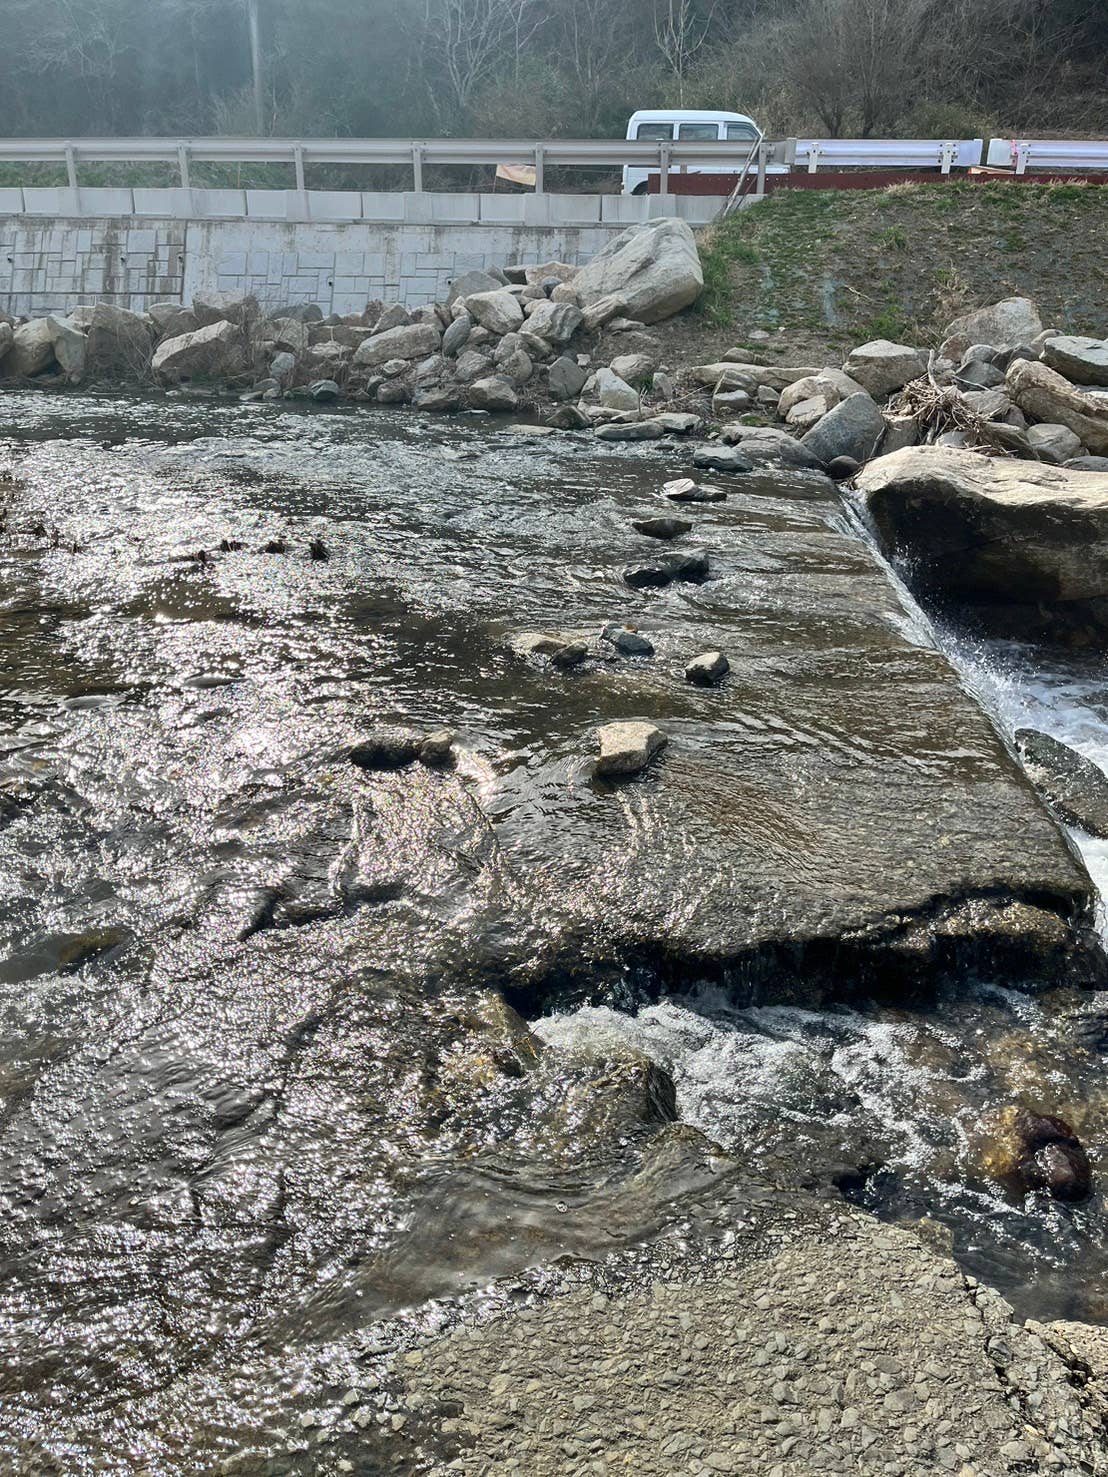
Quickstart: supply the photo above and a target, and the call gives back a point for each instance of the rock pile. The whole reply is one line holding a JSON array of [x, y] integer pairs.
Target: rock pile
[[498, 343]]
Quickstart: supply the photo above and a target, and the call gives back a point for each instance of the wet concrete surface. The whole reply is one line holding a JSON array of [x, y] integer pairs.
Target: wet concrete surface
[[260, 1086]]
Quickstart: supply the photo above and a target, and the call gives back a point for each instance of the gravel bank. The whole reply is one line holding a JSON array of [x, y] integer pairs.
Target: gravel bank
[[850, 1347]]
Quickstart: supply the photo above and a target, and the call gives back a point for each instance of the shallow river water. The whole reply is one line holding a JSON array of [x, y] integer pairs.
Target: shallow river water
[[257, 1082]]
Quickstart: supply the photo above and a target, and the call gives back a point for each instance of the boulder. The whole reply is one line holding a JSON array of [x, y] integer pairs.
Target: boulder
[[690, 568], [1027, 1151], [492, 394], [853, 428], [765, 446], [1088, 464], [614, 393], [282, 367], [32, 349], [627, 641], [806, 414], [439, 398], [388, 748], [719, 459], [395, 315], [7, 338], [663, 528], [602, 311], [631, 431], [119, 343], [750, 377], [537, 347], [1051, 443], [634, 369], [654, 268], [679, 422], [565, 379], [1075, 786], [1082, 360], [324, 392], [1021, 547], [225, 307], [172, 319], [979, 374], [497, 311], [350, 336], [1045, 395], [406, 341], [730, 402], [900, 431], [549, 272], [70, 348], [554, 322], [568, 418], [454, 337], [882, 367], [472, 366], [832, 384], [213, 350], [564, 293], [558, 648], [471, 282], [708, 669], [291, 335], [685, 490], [1005, 325], [627, 748]]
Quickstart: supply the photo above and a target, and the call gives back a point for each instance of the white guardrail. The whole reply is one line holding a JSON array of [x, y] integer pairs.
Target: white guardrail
[[882, 153], [1048, 154]]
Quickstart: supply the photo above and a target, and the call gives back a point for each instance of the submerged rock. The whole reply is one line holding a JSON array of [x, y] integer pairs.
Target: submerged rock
[[1075, 786], [691, 568], [627, 641], [1028, 1151], [388, 748], [627, 748]]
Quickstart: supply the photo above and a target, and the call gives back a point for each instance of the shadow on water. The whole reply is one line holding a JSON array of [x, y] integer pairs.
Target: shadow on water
[[259, 1086]]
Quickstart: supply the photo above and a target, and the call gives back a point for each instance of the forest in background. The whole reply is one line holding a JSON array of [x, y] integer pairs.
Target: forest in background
[[550, 68]]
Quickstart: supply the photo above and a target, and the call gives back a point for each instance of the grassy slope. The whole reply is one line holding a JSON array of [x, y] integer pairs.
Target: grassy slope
[[835, 268]]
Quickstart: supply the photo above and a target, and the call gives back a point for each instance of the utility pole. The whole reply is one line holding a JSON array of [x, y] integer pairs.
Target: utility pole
[[256, 64]]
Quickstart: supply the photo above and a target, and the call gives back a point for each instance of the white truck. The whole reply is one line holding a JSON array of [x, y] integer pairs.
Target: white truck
[[691, 125]]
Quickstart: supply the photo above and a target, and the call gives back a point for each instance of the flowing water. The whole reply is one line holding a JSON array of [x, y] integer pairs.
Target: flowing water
[[258, 1087]]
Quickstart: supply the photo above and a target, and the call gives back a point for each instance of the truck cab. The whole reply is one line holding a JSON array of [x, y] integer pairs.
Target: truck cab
[[690, 124]]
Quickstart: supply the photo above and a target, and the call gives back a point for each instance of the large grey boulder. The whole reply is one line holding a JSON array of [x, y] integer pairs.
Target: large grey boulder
[[119, 343], [853, 428], [471, 282], [224, 307], [290, 334], [565, 379], [882, 367], [654, 268], [1082, 360], [407, 341], [32, 349], [1044, 395], [172, 319], [1005, 325], [492, 393], [7, 338], [455, 335], [614, 393], [1021, 546], [70, 348], [765, 446], [213, 350], [555, 322], [1057, 444], [498, 311]]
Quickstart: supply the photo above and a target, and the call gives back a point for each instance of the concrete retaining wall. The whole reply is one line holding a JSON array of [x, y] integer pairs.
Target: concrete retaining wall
[[402, 247]]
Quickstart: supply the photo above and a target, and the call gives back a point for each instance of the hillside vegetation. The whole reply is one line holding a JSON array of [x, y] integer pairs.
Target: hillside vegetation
[[833, 269]]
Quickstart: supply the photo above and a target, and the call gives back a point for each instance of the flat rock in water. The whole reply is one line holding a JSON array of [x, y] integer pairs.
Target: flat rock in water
[[632, 431], [627, 748], [662, 528], [627, 641], [685, 490], [1075, 786], [1021, 547], [722, 459]]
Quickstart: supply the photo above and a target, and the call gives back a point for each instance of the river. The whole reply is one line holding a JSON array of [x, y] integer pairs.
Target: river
[[263, 1080]]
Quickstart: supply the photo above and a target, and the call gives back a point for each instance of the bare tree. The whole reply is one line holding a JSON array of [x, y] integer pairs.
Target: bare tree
[[469, 41], [680, 30]]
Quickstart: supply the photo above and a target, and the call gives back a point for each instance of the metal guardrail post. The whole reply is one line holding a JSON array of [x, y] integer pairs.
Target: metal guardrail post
[[540, 161], [417, 168], [298, 165], [183, 165], [663, 169], [763, 153], [71, 166]]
